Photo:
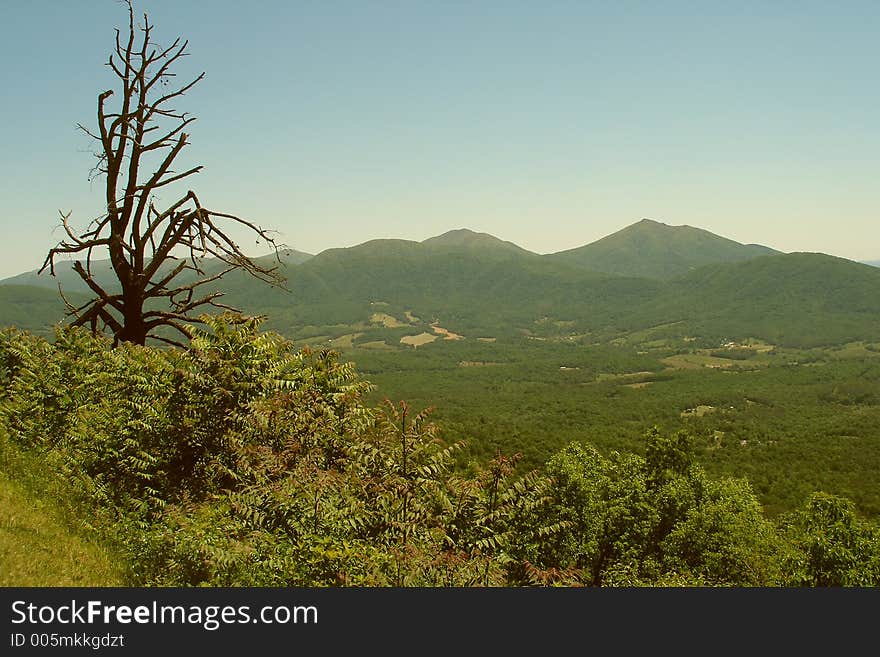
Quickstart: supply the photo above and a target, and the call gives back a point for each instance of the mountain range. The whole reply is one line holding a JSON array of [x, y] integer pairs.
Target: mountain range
[[679, 280]]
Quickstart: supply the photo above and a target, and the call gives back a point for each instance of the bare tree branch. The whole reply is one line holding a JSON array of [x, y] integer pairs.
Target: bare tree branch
[[140, 239]]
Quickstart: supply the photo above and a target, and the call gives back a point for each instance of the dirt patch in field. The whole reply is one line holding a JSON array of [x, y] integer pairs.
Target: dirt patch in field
[[476, 363], [376, 344], [637, 386], [487, 339], [447, 335], [416, 341], [412, 318]]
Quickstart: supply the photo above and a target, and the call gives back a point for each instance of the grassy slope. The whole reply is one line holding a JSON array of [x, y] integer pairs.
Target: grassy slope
[[43, 540], [37, 548]]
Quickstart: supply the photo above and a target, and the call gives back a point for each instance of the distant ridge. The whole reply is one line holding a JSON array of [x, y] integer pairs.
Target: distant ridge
[[286, 257], [64, 275], [104, 275], [652, 249]]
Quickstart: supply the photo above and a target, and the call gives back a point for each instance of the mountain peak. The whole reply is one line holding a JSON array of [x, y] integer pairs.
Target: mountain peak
[[469, 239], [653, 249], [459, 234], [653, 224]]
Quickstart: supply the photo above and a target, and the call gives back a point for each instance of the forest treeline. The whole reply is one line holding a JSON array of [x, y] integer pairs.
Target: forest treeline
[[243, 460]]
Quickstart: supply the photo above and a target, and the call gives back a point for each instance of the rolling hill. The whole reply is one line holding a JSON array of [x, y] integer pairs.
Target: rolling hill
[[796, 299], [652, 249]]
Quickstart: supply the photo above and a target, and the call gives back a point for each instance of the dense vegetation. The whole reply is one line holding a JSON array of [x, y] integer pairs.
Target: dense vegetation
[[790, 420], [246, 460]]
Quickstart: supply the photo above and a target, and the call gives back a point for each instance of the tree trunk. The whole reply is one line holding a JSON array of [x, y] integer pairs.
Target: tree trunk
[[134, 328]]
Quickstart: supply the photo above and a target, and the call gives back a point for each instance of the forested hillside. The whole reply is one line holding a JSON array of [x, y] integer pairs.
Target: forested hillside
[[797, 300]]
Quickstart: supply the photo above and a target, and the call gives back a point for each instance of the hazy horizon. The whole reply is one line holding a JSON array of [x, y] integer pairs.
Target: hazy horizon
[[550, 126]]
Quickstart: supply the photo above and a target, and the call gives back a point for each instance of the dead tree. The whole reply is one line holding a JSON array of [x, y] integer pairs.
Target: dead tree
[[158, 255]]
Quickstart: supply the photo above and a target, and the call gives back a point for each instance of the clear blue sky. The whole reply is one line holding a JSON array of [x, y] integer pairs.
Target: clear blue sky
[[549, 123]]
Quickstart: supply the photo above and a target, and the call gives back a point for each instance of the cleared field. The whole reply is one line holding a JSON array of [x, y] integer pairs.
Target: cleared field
[[386, 320], [856, 350], [345, 341], [697, 361], [759, 345], [375, 344], [417, 340]]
